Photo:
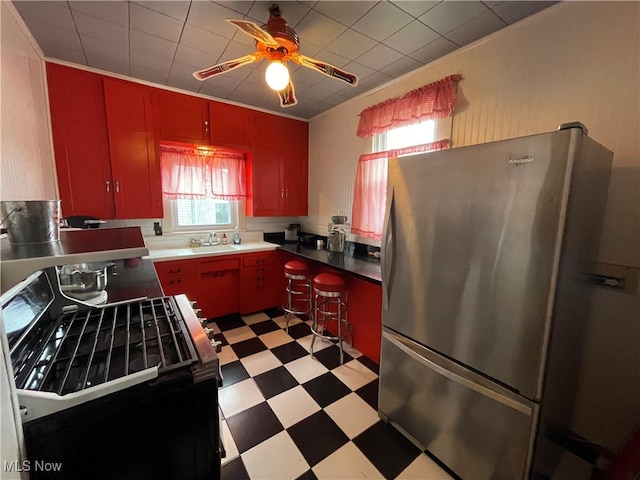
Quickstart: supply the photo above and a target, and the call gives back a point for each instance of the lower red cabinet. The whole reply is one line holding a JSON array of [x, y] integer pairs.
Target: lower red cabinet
[[222, 285], [259, 287]]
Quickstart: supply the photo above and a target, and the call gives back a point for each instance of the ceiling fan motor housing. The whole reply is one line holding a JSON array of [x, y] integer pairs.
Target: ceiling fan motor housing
[[281, 32]]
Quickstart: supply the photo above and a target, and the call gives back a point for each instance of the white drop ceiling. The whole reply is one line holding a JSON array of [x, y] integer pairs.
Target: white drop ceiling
[[166, 41]]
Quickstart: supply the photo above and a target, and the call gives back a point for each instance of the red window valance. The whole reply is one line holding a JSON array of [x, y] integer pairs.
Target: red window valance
[[202, 172], [429, 102]]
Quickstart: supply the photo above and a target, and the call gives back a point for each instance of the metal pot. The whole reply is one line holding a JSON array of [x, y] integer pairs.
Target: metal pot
[[84, 277], [31, 222]]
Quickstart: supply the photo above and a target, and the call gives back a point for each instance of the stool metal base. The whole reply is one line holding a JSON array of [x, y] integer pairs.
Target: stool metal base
[[322, 314], [298, 291]]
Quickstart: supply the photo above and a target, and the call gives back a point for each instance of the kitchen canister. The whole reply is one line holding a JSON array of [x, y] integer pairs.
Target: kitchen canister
[[31, 222], [320, 244]]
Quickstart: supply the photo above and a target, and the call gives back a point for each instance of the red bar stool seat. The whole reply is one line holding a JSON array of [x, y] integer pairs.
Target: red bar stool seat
[[331, 298], [298, 290]]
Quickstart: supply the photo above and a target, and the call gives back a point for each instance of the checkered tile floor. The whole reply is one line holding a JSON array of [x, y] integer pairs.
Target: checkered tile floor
[[287, 415]]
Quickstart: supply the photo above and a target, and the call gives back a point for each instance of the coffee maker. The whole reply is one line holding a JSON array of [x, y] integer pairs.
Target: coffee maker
[[291, 232]]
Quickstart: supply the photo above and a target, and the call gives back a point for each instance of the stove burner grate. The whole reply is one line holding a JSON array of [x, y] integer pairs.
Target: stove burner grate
[[91, 347]]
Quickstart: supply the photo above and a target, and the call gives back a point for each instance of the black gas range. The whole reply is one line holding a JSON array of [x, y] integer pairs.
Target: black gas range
[[126, 390]]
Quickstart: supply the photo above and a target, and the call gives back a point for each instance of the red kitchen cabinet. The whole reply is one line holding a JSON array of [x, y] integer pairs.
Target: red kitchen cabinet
[[178, 277], [231, 126], [278, 168], [80, 141], [135, 162], [259, 282], [219, 291], [182, 118]]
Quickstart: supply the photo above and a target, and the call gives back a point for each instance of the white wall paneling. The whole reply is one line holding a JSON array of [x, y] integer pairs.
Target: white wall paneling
[[28, 171], [575, 61]]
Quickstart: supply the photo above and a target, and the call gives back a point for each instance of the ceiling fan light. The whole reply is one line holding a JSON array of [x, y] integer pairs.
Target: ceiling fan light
[[277, 75]]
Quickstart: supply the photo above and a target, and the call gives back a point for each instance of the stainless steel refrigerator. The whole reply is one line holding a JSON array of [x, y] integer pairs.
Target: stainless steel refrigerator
[[486, 254]]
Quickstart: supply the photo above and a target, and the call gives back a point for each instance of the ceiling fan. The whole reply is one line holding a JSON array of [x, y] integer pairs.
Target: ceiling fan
[[279, 43]]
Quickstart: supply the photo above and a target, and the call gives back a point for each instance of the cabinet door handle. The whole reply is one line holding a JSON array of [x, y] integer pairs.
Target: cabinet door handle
[[286, 192], [206, 126], [117, 186], [282, 193], [108, 185]]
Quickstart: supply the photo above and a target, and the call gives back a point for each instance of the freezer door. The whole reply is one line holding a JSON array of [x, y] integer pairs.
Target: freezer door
[[470, 252], [478, 429]]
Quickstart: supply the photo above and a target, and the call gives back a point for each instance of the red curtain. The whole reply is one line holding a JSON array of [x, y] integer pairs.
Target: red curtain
[[370, 194], [202, 172], [429, 102]]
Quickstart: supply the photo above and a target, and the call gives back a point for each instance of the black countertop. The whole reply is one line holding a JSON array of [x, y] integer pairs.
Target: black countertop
[[133, 278], [357, 264]]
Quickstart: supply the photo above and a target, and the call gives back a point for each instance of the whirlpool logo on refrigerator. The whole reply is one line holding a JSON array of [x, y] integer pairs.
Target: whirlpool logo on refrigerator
[[517, 161]]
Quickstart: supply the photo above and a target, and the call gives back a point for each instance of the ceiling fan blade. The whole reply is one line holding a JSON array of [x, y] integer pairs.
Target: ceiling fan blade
[[254, 30], [226, 66], [326, 69], [287, 96]]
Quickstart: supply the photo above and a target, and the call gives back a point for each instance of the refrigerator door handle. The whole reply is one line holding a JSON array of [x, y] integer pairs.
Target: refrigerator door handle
[[485, 388], [387, 253]]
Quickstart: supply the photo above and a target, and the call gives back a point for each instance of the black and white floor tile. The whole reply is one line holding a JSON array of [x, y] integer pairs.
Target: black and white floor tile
[[287, 415]]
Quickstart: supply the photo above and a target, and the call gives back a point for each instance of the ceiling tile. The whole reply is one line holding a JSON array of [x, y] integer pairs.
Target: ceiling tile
[[219, 86], [319, 29], [155, 23], [143, 42], [412, 37], [235, 50], [268, 100], [148, 74], [55, 40], [292, 12], [237, 6], [376, 79], [379, 57], [511, 12], [402, 66], [309, 49], [244, 39], [203, 40], [211, 17], [95, 47], [477, 28], [181, 76], [301, 87], [307, 75], [382, 20], [175, 9], [51, 13], [247, 93], [331, 84], [332, 59], [96, 28], [434, 50], [150, 61], [446, 16], [352, 92], [317, 94], [415, 8], [335, 99], [256, 75], [114, 12], [351, 44], [197, 58], [346, 13], [360, 70]]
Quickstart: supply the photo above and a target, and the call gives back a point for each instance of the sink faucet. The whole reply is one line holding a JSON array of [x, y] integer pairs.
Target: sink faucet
[[213, 239]]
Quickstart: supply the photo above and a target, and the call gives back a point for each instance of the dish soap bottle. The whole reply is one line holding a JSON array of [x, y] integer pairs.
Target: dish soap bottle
[[236, 237], [224, 238]]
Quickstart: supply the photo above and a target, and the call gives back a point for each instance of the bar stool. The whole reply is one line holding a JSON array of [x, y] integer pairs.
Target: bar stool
[[298, 290], [331, 298]]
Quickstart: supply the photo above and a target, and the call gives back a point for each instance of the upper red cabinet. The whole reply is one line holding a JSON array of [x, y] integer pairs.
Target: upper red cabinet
[[182, 118], [135, 162], [231, 126], [80, 141]]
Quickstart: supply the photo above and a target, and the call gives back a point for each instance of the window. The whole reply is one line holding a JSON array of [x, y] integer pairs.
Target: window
[[397, 138], [202, 187]]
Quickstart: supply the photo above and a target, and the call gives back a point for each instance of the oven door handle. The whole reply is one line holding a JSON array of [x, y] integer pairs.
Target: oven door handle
[[35, 404]]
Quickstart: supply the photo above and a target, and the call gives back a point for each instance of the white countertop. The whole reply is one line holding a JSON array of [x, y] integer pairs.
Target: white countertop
[[161, 253]]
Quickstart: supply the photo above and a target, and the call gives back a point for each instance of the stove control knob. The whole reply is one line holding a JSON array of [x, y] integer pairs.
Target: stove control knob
[[197, 312], [217, 345], [210, 333], [203, 322], [193, 304]]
